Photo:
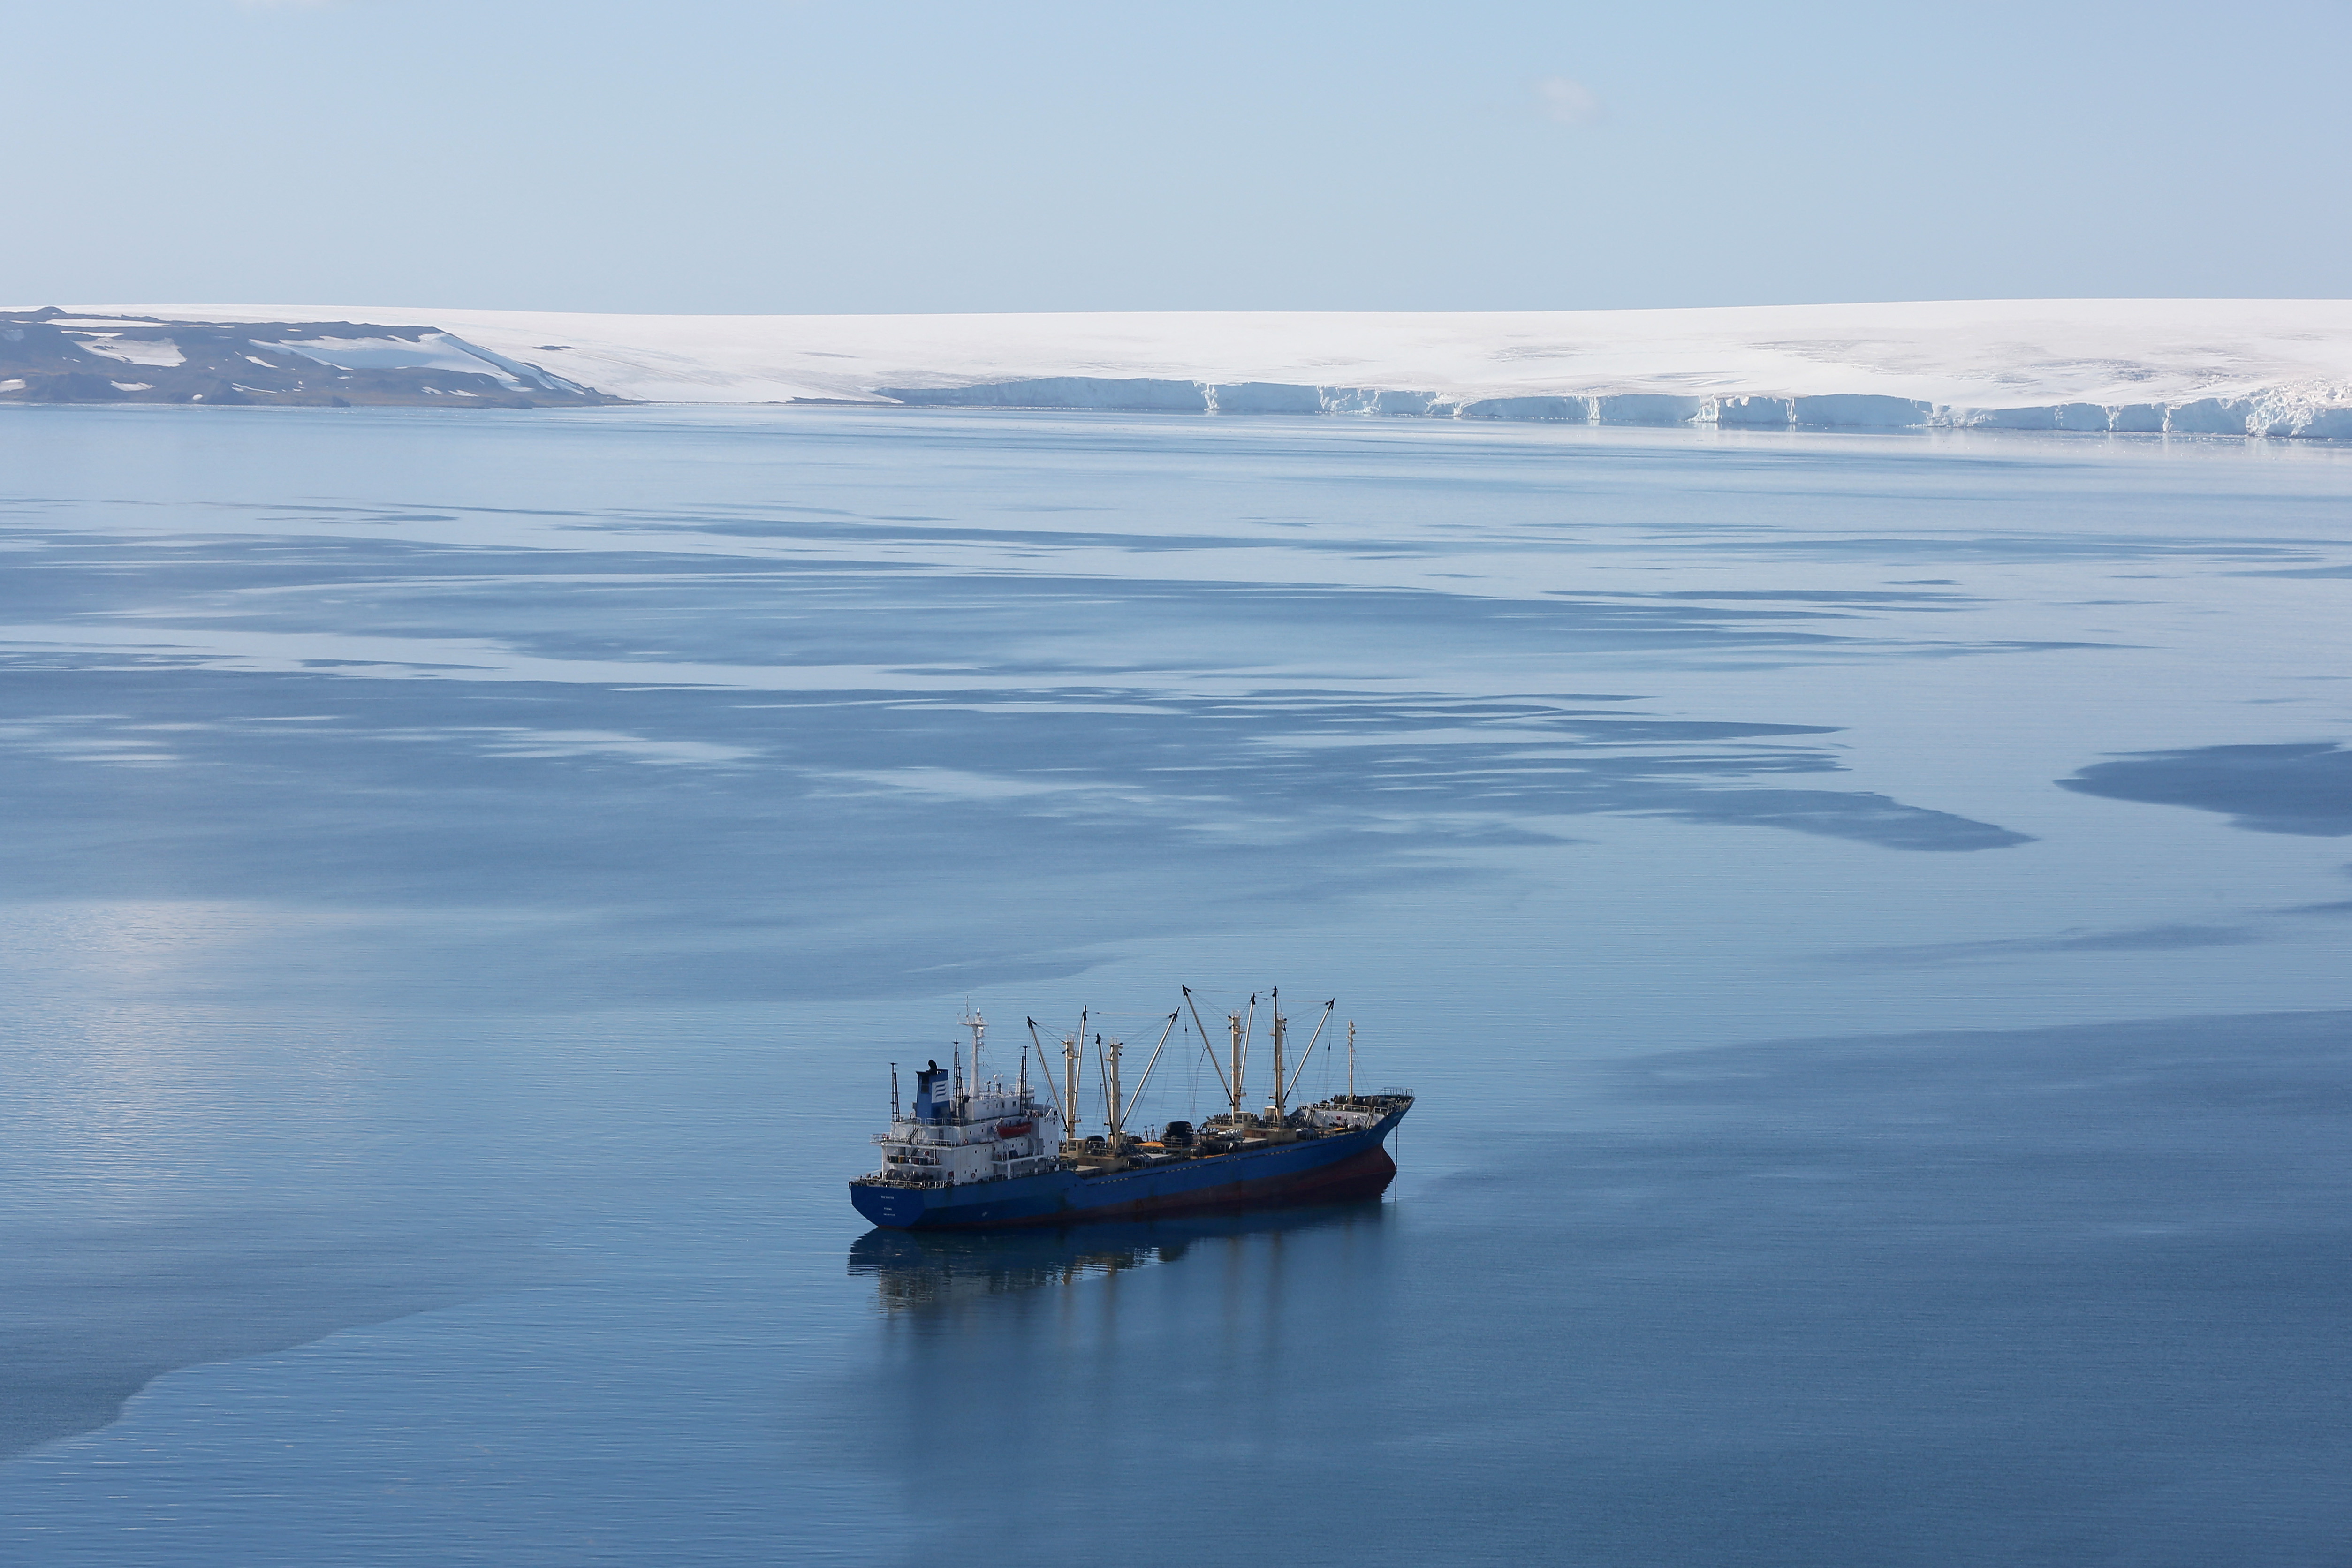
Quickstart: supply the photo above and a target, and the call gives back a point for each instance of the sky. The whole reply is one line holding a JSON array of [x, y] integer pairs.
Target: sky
[[821, 156]]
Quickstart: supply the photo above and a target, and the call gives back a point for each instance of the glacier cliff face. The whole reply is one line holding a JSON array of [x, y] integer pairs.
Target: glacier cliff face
[[2305, 412], [2202, 367]]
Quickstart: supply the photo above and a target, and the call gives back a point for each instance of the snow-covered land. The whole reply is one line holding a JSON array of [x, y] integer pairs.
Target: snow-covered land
[[48, 356], [2276, 367]]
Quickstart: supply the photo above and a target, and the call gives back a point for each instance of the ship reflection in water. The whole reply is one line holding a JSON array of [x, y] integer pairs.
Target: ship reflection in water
[[1150, 1358], [915, 1270]]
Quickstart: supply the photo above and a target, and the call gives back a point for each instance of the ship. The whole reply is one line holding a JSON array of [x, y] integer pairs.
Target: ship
[[971, 1152]]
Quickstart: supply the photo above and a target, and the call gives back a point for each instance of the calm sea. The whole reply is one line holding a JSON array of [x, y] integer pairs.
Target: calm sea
[[1866, 918]]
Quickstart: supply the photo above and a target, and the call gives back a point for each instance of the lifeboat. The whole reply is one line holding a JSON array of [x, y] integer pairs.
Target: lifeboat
[[1016, 1129]]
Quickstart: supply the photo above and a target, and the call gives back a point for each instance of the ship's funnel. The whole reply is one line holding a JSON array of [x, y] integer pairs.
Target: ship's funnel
[[931, 1093]]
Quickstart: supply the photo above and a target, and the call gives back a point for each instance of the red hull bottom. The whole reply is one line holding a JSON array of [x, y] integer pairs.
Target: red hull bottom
[[1367, 1175]]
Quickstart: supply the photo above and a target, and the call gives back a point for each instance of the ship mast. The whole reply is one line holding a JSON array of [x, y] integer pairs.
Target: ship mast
[[1070, 1057], [1110, 1087], [1050, 1093], [1351, 1061], [1145, 1081], [1312, 1040], [1215, 1065], [1240, 1059], [1234, 1087], [974, 1022], [1279, 1114]]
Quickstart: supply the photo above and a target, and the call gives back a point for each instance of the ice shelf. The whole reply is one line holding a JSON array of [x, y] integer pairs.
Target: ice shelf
[[2200, 367]]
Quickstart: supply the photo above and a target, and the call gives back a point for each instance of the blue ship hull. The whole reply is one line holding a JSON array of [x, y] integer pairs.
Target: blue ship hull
[[1330, 1170]]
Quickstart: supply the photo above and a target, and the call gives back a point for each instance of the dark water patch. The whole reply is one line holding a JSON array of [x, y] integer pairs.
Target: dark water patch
[[897, 532], [2293, 1065], [787, 848], [1008, 618], [1869, 818], [1824, 596], [833, 527], [273, 583], [2137, 939], [2022, 548], [651, 606], [2303, 789], [90, 1316]]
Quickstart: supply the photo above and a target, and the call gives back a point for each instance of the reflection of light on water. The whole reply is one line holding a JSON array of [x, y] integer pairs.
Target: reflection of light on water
[[607, 743], [112, 1014], [85, 961], [113, 944], [102, 989], [928, 1270], [72, 738]]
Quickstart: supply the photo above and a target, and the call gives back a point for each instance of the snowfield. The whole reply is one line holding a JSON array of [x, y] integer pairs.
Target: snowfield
[[434, 351], [2278, 367], [134, 351]]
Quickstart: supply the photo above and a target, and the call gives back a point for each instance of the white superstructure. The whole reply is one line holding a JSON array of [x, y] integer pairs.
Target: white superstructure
[[961, 1130]]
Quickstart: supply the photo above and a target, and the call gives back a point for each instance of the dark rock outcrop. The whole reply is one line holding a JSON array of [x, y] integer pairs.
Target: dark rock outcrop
[[48, 356]]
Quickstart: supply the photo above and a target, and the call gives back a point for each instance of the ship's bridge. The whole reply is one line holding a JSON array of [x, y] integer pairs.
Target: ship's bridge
[[950, 1136]]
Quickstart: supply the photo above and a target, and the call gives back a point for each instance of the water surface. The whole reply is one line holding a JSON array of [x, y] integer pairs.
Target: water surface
[[1864, 915]]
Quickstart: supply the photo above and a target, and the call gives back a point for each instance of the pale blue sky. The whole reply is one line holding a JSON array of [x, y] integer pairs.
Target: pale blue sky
[[817, 156]]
